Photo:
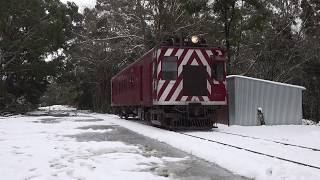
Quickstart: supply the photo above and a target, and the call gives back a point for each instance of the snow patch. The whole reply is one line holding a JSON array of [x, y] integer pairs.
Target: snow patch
[[309, 122], [57, 108], [90, 130], [42, 151]]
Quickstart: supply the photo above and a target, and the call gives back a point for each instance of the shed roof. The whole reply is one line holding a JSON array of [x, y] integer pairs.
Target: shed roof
[[267, 81]]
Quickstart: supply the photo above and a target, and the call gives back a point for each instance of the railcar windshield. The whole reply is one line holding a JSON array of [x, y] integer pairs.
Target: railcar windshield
[[169, 68], [218, 71]]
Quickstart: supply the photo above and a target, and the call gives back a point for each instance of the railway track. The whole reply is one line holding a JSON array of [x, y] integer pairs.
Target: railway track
[[252, 151], [277, 142]]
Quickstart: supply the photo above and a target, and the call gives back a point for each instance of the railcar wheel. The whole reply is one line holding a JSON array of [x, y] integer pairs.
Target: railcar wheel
[[121, 115], [147, 116], [126, 116]]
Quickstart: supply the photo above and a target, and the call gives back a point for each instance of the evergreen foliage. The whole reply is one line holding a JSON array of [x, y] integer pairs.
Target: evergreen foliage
[[29, 31]]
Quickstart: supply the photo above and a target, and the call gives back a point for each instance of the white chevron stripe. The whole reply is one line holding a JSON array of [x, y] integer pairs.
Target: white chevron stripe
[[201, 57], [205, 98], [185, 60], [209, 52], [158, 65], [160, 84], [158, 53], [194, 62], [184, 98], [179, 52], [208, 86], [169, 51], [176, 92], [158, 69], [195, 98], [187, 57], [166, 91], [204, 61]]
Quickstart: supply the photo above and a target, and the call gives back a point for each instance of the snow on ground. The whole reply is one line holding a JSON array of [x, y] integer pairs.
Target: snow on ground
[[38, 148], [57, 108], [309, 122], [303, 135], [240, 161]]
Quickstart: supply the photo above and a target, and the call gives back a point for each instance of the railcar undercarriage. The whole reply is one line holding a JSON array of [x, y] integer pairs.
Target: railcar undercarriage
[[192, 116]]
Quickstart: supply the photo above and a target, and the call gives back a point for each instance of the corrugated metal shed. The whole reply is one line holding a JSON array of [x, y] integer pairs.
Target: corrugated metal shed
[[281, 103]]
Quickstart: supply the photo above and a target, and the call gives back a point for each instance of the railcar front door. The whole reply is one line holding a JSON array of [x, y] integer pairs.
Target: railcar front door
[[194, 80]]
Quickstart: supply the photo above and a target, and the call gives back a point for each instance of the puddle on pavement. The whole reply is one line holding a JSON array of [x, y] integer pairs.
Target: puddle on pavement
[[48, 120], [184, 167], [51, 120]]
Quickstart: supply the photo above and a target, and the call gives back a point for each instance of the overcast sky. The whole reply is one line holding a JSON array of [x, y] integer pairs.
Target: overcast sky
[[82, 3]]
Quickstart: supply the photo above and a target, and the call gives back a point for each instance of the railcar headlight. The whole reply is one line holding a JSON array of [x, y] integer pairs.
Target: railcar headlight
[[195, 39]]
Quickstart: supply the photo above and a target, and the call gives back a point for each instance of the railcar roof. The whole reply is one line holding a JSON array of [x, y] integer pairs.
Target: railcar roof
[[139, 59], [162, 46]]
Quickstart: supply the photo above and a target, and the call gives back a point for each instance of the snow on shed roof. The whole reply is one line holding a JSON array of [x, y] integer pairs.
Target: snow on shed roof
[[267, 81]]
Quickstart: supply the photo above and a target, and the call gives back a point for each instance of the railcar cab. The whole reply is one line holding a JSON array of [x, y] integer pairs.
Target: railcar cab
[[188, 83]]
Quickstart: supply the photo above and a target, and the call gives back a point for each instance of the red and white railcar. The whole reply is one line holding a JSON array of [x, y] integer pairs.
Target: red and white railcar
[[173, 87]]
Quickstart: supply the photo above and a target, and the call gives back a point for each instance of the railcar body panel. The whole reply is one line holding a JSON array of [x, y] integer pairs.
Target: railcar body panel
[[133, 85]]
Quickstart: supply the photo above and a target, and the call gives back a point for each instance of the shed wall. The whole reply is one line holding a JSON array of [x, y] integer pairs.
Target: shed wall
[[231, 100], [280, 104]]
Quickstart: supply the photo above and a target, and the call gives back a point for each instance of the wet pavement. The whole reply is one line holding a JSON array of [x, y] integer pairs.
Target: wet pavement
[[179, 165]]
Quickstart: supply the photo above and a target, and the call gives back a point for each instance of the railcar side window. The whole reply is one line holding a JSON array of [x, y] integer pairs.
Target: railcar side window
[[169, 68], [217, 71]]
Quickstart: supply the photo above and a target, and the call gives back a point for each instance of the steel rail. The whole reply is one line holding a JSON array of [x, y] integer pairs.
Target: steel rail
[[252, 151], [278, 142]]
